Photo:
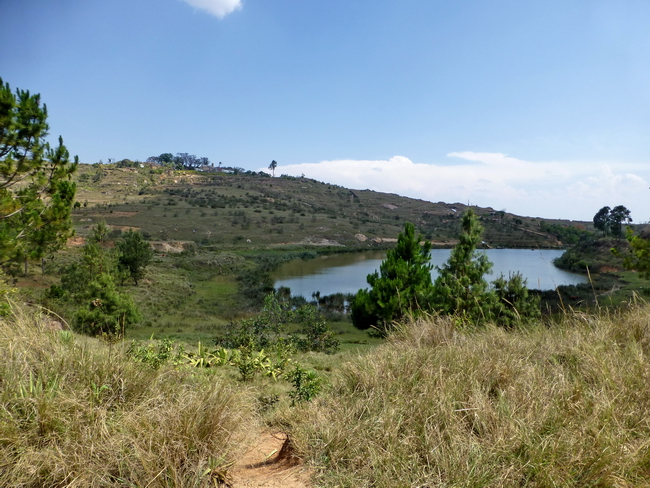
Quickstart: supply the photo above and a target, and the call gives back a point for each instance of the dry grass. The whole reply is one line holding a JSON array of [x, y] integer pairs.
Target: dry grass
[[75, 412], [563, 405], [553, 405]]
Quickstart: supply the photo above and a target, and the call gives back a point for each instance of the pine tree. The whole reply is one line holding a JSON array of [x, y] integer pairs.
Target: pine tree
[[401, 286], [461, 287], [36, 191], [134, 255]]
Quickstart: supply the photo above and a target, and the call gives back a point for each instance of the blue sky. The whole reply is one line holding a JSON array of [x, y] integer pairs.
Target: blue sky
[[541, 108]]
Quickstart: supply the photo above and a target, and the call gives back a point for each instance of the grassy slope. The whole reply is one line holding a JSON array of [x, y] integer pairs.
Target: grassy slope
[[550, 406], [76, 412], [562, 405], [226, 211]]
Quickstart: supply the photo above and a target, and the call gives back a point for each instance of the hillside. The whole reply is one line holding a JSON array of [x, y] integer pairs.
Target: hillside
[[237, 228], [253, 210]]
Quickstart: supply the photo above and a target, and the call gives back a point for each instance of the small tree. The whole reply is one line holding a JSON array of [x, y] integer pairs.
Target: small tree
[[617, 217], [89, 284], [134, 255], [36, 191], [601, 220], [460, 287], [104, 310], [402, 285], [514, 304], [272, 166]]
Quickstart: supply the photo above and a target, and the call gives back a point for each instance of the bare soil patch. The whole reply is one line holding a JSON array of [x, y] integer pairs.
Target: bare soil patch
[[76, 241], [270, 463]]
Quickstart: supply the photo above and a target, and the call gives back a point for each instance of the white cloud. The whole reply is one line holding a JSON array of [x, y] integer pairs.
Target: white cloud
[[570, 190], [218, 8]]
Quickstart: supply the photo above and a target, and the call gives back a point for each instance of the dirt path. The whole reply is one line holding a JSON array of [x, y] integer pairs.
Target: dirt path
[[270, 463]]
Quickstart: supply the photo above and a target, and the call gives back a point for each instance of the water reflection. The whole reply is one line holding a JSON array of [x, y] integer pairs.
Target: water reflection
[[347, 272]]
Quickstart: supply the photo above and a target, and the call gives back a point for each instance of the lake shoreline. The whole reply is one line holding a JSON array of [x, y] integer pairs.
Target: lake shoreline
[[347, 272]]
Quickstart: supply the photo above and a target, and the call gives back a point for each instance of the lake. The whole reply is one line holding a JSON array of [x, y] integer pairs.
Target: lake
[[346, 272]]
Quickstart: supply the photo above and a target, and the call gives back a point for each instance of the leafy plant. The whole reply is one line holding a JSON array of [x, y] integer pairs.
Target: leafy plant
[[249, 363], [306, 384], [202, 358], [152, 353]]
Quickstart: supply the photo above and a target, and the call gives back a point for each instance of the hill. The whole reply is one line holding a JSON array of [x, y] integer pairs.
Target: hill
[[219, 236], [253, 210]]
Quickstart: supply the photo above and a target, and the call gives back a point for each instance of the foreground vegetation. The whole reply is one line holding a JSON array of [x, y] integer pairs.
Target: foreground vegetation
[[77, 412], [563, 404], [549, 404]]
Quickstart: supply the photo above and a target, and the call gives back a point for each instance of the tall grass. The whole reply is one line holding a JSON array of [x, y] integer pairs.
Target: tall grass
[[77, 412], [555, 405]]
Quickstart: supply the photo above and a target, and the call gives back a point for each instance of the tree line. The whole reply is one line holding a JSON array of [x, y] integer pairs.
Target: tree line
[[180, 161], [403, 285]]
